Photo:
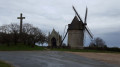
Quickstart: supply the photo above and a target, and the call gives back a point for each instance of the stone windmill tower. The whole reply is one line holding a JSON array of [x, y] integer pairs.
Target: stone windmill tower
[[76, 31]]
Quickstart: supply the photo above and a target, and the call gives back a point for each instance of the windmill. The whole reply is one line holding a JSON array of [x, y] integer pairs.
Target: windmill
[[76, 31]]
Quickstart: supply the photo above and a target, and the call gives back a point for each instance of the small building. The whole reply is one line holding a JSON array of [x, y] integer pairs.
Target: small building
[[54, 39]]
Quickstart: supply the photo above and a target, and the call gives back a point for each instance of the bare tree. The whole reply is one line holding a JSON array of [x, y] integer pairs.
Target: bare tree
[[98, 42], [30, 34], [5, 35], [37, 35], [33, 34], [14, 30], [26, 37]]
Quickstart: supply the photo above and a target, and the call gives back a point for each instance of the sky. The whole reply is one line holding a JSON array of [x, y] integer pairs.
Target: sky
[[103, 16]]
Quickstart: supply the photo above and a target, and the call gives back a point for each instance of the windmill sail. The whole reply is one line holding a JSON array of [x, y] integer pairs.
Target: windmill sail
[[89, 32], [77, 13], [86, 16], [64, 37]]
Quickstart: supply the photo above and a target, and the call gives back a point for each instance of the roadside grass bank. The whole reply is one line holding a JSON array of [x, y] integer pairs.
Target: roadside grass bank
[[4, 64], [22, 47]]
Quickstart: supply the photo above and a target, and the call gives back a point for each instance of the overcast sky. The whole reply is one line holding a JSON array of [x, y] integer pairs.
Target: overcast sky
[[103, 15]]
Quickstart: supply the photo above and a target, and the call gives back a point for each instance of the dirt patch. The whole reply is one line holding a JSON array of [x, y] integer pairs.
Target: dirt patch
[[112, 58]]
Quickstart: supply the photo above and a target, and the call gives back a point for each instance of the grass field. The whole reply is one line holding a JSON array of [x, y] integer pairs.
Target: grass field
[[19, 47], [3, 64]]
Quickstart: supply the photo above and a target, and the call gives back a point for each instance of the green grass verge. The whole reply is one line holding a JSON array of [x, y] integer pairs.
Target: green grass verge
[[22, 47], [19, 47], [3, 64]]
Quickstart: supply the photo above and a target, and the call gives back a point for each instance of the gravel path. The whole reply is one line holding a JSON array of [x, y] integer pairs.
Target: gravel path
[[113, 58], [49, 59]]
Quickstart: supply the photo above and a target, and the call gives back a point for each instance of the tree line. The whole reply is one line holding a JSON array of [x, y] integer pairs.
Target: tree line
[[10, 34], [98, 42]]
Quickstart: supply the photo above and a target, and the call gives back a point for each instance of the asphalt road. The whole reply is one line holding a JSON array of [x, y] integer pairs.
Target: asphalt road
[[49, 59]]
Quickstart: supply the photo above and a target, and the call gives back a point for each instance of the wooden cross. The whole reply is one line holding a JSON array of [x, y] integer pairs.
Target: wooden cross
[[21, 18]]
